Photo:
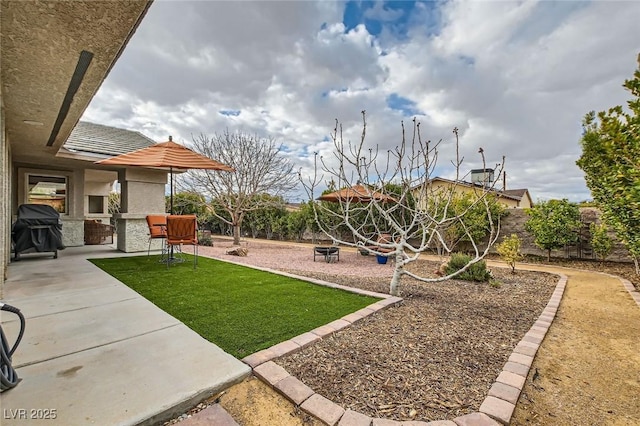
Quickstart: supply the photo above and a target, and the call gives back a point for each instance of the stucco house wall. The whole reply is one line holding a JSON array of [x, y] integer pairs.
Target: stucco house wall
[[97, 187], [80, 39], [73, 218], [526, 202], [142, 193], [444, 186], [5, 206]]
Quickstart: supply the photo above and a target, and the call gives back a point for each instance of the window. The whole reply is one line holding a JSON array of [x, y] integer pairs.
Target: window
[[49, 190]]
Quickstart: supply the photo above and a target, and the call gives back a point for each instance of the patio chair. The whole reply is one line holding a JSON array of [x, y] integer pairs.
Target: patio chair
[[181, 230], [157, 230], [96, 232], [382, 239]]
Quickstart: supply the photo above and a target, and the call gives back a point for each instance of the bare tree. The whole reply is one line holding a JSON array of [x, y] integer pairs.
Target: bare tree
[[420, 213], [260, 169]]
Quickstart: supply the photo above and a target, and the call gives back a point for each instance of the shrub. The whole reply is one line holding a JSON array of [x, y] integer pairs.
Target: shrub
[[509, 251], [205, 240], [553, 224], [600, 241], [476, 272]]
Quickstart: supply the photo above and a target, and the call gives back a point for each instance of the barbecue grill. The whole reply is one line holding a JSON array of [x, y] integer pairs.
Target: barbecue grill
[[38, 228]]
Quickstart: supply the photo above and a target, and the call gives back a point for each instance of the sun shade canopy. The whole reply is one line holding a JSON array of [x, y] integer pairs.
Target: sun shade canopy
[[166, 154], [357, 194]]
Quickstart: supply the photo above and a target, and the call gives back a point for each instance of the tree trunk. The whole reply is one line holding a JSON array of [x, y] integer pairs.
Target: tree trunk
[[236, 234], [254, 231], [397, 274], [549, 255]]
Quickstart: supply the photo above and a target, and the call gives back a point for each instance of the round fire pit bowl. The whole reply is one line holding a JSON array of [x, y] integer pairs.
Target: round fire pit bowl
[[330, 253]]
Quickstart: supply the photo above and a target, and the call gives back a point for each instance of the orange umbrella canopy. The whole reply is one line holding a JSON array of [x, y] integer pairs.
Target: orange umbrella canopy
[[166, 154], [357, 193]]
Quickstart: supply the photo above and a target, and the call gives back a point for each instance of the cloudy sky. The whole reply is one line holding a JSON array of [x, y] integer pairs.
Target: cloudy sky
[[515, 77]]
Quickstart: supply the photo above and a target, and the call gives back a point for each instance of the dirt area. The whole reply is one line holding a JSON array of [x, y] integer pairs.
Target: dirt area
[[253, 403], [621, 269], [587, 371], [436, 355]]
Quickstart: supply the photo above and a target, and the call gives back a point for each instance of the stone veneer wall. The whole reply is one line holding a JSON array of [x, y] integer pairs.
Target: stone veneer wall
[[142, 193], [133, 234], [514, 224], [72, 232]]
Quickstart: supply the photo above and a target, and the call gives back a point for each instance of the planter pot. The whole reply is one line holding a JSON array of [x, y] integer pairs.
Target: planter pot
[[382, 260]]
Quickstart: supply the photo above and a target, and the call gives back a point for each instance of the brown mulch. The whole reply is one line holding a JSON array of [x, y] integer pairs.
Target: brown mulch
[[433, 357]]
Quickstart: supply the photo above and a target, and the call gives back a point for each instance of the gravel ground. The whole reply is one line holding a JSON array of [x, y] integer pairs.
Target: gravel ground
[[285, 256], [433, 357]]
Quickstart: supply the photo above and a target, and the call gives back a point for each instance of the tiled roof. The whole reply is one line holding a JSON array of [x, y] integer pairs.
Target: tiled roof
[[515, 192], [99, 139]]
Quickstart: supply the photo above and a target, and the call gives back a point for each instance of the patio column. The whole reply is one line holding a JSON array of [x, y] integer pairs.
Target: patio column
[[73, 221], [142, 192]]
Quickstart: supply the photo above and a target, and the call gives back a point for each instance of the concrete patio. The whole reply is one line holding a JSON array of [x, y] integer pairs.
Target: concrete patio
[[96, 352]]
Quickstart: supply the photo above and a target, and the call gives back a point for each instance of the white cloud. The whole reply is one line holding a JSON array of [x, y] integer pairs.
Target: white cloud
[[515, 77]]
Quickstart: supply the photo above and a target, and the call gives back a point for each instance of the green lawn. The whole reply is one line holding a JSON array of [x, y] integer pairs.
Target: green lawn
[[240, 309]]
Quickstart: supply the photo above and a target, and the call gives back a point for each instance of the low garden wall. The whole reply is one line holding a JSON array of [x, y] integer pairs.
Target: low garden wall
[[514, 222]]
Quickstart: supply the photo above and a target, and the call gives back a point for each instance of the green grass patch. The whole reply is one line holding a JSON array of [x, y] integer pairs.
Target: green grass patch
[[242, 310]]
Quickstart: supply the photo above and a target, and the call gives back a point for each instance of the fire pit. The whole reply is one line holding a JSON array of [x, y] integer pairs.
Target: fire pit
[[330, 253]]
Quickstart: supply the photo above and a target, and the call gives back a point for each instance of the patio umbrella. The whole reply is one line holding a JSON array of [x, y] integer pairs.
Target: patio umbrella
[[358, 194], [166, 155]]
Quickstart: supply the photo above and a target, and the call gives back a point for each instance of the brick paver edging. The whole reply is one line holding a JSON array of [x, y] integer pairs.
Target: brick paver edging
[[296, 343], [503, 395], [496, 409], [635, 294]]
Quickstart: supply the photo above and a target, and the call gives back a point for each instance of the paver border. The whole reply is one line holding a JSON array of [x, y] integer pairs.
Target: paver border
[[504, 393], [298, 342], [497, 407], [635, 294]]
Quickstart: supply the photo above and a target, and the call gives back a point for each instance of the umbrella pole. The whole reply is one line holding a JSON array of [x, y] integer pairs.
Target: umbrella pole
[[171, 196], [170, 205]]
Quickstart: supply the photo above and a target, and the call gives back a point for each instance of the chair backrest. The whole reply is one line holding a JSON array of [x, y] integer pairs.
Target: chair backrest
[[384, 239], [157, 225], [182, 229]]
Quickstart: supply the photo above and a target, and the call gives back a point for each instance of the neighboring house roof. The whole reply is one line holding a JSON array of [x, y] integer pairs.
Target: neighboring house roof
[[513, 194], [104, 140], [518, 194]]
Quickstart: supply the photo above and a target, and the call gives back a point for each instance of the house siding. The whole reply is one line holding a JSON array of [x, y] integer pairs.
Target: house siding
[[438, 186]]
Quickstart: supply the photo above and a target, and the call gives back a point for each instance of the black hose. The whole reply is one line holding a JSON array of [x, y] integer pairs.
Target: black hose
[[8, 375]]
